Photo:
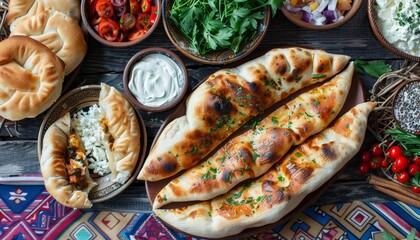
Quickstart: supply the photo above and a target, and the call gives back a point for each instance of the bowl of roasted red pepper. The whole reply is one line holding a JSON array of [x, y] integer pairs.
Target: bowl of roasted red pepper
[[120, 23]]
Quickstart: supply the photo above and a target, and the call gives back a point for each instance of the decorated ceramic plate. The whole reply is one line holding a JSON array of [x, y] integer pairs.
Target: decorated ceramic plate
[[81, 99], [355, 96]]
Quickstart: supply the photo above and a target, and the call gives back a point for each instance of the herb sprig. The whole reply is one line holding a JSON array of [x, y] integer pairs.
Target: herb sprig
[[218, 24], [410, 142], [374, 69]]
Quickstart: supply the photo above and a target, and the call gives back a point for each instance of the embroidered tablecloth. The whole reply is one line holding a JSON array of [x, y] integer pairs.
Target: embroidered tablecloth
[[27, 211]]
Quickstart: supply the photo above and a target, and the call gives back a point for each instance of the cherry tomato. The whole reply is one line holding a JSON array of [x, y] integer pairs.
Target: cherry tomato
[[415, 189], [153, 15], [364, 167], [413, 168], [376, 162], [365, 157], [109, 30], [92, 8], [395, 151], [395, 169], [376, 150], [416, 160], [104, 8], [127, 21], [385, 163], [134, 6], [143, 21], [145, 5], [403, 177], [401, 163], [136, 34]]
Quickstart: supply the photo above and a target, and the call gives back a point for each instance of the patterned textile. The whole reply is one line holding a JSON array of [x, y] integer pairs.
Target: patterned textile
[[27, 211]]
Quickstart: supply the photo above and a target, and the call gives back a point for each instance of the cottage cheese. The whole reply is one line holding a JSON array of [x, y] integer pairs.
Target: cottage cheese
[[87, 127], [399, 22]]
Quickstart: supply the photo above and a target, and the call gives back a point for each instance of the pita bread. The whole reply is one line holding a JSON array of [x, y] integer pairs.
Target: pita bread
[[229, 98], [59, 32], [22, 9], [282, 188], [53, 167], [31, 78], [121, 124], [252, 153]]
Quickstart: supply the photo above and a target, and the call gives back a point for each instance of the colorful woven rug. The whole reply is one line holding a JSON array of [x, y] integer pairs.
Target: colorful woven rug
[[27, 211]]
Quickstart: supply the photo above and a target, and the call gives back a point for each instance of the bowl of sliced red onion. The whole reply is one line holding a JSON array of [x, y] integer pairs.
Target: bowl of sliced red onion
[[320, 14]]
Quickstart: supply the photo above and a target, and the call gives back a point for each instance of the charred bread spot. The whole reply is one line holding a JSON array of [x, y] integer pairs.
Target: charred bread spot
[[323, 66], [220, 105], [328, 152], [279, 65], [253, 87], [168, 164], [245, 156]]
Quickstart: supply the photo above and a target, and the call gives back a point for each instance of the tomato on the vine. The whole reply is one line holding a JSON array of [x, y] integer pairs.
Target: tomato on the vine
[[365, 157], [401, 163], [415, 189], [385, 163], [403, 177], [364, 167], [413, 168], [376, 162], [416, 160], [395, 151], [376, 150]]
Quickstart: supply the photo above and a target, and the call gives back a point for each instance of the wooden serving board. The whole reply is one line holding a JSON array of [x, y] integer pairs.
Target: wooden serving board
[[355, 96]]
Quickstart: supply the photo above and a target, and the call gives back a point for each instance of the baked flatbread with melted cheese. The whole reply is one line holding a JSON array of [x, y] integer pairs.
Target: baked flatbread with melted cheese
[[119, 121], [56, 163], [252, 153], [231, 97], [282, 188]]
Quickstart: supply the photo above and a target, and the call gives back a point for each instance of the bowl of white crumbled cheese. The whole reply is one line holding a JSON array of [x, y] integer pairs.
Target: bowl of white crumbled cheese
[[83, 105], [396, 25]]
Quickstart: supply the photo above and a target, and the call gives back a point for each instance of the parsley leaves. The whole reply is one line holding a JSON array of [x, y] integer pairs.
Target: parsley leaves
[[216, 24]]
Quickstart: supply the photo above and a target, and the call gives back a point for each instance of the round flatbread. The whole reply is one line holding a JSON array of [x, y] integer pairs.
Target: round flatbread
[[53, 167], [31, 78], [58, 32], [21, 9]]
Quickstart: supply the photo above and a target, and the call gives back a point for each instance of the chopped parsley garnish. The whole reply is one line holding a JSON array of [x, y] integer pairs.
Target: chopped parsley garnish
[[281, 178], [274, 120], [319, 75], [316, 102], [193, 150]]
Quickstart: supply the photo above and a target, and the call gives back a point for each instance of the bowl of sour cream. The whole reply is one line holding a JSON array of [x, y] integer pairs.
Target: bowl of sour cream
[[155, 79]]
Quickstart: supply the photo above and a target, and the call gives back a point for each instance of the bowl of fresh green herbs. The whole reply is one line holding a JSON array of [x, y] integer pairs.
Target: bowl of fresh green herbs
[[216, 31]]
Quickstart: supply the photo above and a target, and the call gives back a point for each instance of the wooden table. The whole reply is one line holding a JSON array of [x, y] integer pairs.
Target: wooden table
[[18, 155]]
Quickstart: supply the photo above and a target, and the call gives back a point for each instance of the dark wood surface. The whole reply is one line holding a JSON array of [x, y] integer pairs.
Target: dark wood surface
[[18, 153]]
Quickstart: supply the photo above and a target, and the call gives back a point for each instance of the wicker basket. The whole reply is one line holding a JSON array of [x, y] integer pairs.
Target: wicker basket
[[4, 29], [383, 92]]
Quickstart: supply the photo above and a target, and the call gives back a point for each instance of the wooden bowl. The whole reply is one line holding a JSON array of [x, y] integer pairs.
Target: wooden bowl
[[373, 19], [218, 57], [398, 92], [137, 58], [350, 14], [87, 23]]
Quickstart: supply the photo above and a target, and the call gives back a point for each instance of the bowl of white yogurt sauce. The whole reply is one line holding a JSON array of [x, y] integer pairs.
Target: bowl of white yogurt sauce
[[396, 25], [155, 79]]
